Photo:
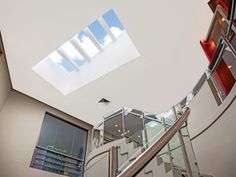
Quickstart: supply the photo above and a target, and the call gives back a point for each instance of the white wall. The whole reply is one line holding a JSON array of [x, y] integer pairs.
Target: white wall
[[215, 148], [20, 123]]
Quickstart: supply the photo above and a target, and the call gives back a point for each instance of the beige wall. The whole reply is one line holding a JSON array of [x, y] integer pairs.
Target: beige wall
[[20, 122], [215, 148], [5, 84], [202, 108]]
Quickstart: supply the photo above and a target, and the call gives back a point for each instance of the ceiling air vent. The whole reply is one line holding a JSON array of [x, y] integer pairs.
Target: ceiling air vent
[[104, 100]]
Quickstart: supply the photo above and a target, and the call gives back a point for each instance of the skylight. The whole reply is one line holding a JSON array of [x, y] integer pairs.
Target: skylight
[[73, 54], [86, 44], [96, 50], [114, 23], [61, 62], [99, 33]]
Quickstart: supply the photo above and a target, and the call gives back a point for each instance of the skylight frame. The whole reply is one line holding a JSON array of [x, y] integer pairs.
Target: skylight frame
[[73, 54], [91, 42], [99, 27], [104, 59], [61, 66], [77, 42]]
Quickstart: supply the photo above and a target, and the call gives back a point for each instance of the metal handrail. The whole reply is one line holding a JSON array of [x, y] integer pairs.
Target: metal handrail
[[138, 164], [231, 16]]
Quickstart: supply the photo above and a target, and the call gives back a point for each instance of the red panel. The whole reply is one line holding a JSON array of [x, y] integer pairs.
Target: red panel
[[222, 72], [223, 3], [209, 48], [224, 77]]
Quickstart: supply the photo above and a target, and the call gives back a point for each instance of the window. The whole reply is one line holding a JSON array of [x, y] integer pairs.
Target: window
[[114, 23], [73, 54], [61, 62], [99, 33], [86, 44], [61, 147], [99, 48]]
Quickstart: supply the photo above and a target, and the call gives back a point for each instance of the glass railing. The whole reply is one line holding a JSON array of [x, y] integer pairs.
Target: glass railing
[[143, 129], [176, 157], [134, 153], [170, 153], [137, 126], [151, 132]]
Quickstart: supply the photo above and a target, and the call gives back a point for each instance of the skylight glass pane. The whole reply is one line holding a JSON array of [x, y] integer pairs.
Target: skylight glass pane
[[99, 33], [73, 54], [86, 44], [113, 22], [63, 63]]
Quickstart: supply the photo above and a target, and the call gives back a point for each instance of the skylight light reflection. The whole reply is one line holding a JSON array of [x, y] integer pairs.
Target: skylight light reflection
[[63, 63], [99, 33], [86, 44], [113, 22], [73, 54]]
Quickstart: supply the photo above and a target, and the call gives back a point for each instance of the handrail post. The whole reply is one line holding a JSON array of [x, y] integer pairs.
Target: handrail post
[[184, 151], [145, 131], [112, 160], [168, 145]]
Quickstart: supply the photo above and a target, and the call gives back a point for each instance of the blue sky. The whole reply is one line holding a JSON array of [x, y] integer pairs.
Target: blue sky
[[98, 32]]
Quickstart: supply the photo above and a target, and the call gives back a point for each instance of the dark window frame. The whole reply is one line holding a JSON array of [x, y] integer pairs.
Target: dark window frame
[[61, 153]]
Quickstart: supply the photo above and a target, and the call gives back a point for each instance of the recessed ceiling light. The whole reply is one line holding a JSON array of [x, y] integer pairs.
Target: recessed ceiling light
[[116, 125], [119, 130], [229, 66]]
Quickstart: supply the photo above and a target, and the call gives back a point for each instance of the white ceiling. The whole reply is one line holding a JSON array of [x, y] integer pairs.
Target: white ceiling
[[166, 33]]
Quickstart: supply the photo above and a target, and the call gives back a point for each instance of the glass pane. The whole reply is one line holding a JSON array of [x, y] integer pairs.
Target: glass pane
[[48, 131], [113, 129], [73, 53], [114, 23], [219, 28], [86, 44], [60, 61], [99, 33], [224, 73], [164, 154], [176, 152], [168, 117], [63, 137], [230, 61], [233, 41], [190, 152], [63, 142], [133, 128], [154, 130], [169, 160], [79, 143]]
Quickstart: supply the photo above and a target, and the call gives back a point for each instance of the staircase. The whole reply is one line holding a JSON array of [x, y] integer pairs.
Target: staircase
[[128, 151], [168, 153]]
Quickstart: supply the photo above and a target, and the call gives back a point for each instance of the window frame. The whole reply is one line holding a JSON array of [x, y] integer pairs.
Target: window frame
[[37, 146]]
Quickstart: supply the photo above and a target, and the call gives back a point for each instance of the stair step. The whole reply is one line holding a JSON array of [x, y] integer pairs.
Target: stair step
[[203, 175], [159, 160], [176, 173], [167, 167]]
